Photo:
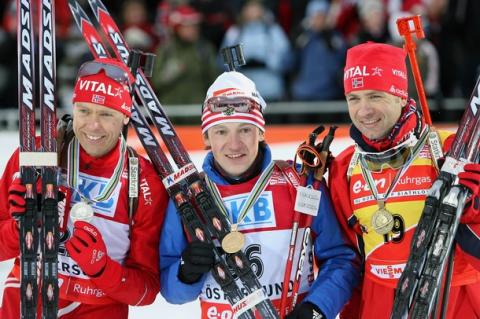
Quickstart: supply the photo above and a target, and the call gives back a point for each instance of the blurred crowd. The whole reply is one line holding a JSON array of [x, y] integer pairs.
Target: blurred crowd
[[294, 49]]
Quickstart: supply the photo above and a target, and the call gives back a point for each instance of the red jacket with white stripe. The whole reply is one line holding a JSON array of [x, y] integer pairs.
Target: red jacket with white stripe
[[134, 277]]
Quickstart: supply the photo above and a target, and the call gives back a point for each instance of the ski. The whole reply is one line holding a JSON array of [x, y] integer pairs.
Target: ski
[[28, 231], [38, 233], [433, 239], [194, 227], [216, 222], [186, 175], [49, 170]]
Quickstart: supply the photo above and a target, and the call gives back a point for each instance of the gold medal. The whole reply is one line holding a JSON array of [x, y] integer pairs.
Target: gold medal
[[382, 221], [233, 241], [81, 211]]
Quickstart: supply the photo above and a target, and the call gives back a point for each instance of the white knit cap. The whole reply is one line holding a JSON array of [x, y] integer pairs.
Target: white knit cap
[[233, 85]]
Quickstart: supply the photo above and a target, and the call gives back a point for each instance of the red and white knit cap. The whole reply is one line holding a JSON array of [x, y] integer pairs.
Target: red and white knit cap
[[376, 66], [232, 86]]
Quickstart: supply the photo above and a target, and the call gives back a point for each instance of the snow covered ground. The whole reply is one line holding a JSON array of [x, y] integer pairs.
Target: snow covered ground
[[160, 309]]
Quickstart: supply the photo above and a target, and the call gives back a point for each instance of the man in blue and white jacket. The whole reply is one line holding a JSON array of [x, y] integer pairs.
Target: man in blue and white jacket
[[233, 129]]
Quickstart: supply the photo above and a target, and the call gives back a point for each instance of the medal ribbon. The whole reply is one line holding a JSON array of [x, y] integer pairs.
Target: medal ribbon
[[367, 174], [73, 170], [257, 190]]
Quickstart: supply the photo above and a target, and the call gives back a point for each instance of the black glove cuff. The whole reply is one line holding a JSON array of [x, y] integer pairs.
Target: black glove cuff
[[188, 279]]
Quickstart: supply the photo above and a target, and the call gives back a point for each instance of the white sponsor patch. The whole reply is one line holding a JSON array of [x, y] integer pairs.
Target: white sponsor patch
[[248, 302], [179, 175], [387, 271]]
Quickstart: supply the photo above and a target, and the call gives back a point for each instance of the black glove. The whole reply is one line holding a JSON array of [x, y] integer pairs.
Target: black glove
[[197, 259], [305, 310], [16, 198]]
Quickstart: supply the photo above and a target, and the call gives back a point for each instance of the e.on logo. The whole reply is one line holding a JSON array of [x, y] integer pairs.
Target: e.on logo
[[214, 313], [358, 186]]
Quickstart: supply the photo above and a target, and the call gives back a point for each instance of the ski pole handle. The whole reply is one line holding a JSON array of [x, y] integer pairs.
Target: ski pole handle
[[233, 57], [406, 26]]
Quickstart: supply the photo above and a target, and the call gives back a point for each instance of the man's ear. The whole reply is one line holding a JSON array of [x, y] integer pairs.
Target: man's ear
[[205, 139], [403, 102], [126, 119], [262, 135]]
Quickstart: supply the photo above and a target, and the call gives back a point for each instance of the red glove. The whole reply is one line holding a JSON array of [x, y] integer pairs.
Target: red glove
[[470, 178], [16, 198], [87, 248]]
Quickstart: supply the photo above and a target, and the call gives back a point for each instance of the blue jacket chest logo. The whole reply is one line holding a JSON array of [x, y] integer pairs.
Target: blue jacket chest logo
[[262, 214]]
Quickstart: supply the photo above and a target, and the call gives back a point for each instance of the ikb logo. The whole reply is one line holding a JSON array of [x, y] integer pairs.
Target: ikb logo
[[262, 214], [90, 187]]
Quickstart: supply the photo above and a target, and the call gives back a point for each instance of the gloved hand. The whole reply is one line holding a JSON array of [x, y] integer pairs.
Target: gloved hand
[[305, 310], [87, 248], [470, 178], [16, 198], [197, 259]]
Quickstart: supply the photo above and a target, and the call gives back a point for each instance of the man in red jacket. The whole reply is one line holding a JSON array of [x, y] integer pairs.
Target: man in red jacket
[[380, 183], [108, 260]]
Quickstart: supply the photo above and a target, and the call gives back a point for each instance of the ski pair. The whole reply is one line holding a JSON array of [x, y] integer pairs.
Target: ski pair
[[433, 240], [33, 158], [186, 180]]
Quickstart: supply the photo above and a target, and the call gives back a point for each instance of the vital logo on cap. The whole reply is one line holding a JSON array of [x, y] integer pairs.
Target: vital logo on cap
[[376, 66]]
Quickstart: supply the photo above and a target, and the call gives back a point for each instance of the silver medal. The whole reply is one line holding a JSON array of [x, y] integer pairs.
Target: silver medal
[[81, 211]]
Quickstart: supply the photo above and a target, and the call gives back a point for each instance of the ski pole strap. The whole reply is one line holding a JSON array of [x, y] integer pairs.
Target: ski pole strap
[[74, 164], [255, 193], [305, 151], [290, 173]]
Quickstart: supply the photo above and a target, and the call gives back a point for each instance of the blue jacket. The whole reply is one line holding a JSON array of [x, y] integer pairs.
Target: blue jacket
[[339, 267]]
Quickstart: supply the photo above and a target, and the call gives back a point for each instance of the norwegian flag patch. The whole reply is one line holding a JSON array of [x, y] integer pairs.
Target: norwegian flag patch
[[357, 83], [98, 99]]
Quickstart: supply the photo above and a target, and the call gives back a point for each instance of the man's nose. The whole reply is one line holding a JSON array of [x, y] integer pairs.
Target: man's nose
[[364, 108], [234, 141]]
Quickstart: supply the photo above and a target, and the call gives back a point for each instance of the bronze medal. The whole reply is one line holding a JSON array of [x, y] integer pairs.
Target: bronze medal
[[233, 242], [382, 221], [81, 211]]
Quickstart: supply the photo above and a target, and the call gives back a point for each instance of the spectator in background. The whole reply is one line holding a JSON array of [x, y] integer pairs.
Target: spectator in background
[[186, 64], [266, 48], [319, 57], [373, 22], [460, 51], [427, 57], [289, 14], [163, 10], [218, 17], [8, 62], [137, 29]]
